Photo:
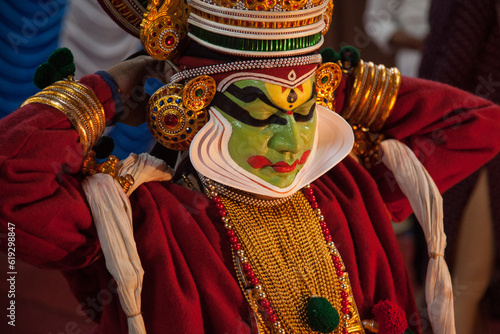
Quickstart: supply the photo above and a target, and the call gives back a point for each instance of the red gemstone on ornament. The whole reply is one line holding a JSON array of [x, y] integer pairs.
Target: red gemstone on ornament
[[335, 258], [219, 206], [323, 225], [314, 205], [311, 198], [344, 302], [236, 246], [268, 310], [345, 310], [326, 231], [216, 199], [247, 266], [308, 191], [328, 238], [340, 273], [222, 213], [233, 240], [170, 40], [345, 331], [338, 265], [273, 318], [230, 233], [344, 294], [254, 281], [170, 120], [264, 303], [250, 274]]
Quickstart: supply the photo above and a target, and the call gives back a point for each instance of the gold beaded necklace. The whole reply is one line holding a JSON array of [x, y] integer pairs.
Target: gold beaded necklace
[[283, 256]]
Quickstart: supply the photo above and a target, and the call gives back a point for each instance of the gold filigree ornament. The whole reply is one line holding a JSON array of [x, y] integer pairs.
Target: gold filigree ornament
[[111, 167], [177, 112], [327, 17], [328, 78], [164, 28]]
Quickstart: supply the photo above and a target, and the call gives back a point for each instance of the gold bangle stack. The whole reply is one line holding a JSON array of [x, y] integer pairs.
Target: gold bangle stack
[[79, 104], [367, 107], [373, 95]]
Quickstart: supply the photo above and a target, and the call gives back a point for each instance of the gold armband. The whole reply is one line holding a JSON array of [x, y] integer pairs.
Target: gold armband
[[79, 104], [367, 107], [372, 96]]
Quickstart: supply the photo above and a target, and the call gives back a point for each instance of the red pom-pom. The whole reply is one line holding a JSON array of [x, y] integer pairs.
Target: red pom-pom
[[390, 317]]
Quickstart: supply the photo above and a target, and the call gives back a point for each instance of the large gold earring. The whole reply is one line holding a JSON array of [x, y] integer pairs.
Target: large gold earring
[[177, 113], [164, 29], [328, 78]]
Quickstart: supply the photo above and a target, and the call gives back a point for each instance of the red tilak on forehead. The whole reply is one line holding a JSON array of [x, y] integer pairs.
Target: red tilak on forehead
[[299, 87]]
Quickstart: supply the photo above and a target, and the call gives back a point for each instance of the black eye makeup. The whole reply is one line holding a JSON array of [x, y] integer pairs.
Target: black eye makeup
[[231, 108], [269, 113], [305, 117]]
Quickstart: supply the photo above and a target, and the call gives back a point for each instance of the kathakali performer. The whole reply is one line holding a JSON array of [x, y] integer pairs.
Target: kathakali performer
[[275, 213]]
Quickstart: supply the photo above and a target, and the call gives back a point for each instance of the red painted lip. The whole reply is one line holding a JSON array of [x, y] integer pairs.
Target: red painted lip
[[259, 161]]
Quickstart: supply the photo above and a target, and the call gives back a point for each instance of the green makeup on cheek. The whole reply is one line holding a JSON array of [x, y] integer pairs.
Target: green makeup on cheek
[[275, 148]]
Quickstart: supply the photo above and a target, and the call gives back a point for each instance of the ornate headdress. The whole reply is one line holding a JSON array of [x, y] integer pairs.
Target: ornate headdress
[[248, 28], [277, 36]]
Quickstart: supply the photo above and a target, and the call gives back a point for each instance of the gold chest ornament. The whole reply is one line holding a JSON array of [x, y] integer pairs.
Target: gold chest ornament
[[288, 267]]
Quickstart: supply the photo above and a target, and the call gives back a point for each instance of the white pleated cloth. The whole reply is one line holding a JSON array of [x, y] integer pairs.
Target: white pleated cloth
[[113, 219], [427, 205]]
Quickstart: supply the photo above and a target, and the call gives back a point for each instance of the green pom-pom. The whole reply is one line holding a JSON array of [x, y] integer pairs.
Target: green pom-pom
[[322, 316], [44, 75], [67, 70], [59, 66], [350, 54], [61, 57], [329, 55]]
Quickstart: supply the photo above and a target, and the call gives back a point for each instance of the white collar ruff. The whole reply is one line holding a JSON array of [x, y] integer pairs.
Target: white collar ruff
[[210, 156]]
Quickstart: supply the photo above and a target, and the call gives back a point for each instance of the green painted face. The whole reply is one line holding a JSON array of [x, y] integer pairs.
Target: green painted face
[[273, 127]]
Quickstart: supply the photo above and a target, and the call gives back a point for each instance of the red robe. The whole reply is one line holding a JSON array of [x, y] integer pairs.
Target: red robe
[[189, 282]]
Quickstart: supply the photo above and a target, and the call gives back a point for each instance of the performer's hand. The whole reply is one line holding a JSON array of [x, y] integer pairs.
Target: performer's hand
[[130, 76]]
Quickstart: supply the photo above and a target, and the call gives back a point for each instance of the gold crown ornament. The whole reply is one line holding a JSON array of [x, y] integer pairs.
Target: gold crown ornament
[[247, 28], [164, 28]]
